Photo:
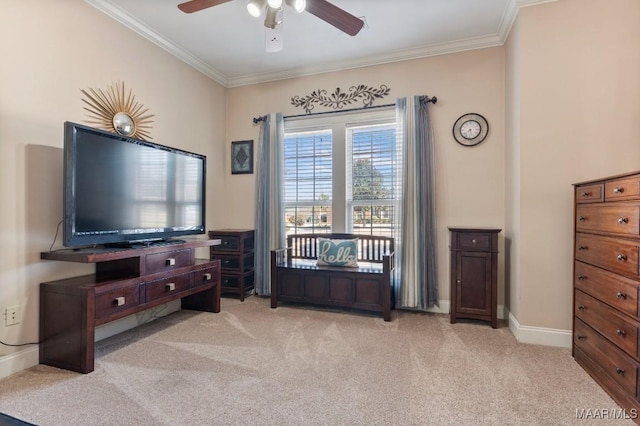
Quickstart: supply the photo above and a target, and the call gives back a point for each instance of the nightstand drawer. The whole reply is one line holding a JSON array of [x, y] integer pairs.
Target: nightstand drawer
[[235, 263], [234, 281]]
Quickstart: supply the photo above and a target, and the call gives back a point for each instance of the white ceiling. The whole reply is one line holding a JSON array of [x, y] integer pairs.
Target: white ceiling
[[227, 44]]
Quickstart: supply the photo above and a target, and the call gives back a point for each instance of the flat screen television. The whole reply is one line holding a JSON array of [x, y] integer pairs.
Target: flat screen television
[[124, 191]]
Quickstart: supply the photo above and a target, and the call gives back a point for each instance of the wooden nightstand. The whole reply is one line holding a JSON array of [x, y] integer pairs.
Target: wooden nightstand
[[474, 274], [236, 255]]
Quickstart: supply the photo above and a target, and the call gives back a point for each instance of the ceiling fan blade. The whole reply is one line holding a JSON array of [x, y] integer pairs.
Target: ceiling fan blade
[[335, 16], [196, 5]]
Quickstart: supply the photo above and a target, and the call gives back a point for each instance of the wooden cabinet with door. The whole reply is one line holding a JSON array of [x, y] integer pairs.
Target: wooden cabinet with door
[[474, 274]]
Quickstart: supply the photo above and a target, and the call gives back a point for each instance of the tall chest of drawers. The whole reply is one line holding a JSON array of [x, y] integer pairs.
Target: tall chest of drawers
[[236, 255], [606, 279]]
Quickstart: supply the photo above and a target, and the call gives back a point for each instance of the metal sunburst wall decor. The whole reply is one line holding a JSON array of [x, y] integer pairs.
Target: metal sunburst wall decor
[[117, 111], [338, 99]]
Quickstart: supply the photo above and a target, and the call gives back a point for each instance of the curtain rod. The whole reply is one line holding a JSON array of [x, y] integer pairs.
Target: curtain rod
[[256, 120]]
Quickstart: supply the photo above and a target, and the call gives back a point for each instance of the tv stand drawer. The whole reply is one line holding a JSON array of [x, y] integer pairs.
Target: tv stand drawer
[[167, 261]]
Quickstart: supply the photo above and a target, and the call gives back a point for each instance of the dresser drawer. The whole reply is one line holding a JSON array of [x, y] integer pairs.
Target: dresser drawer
[[167, 261], [167, 287], [114, 301], [613, 289], [623, 189], [614, 254], [618, 219], [618, 366], [623, 332], [590, 193]]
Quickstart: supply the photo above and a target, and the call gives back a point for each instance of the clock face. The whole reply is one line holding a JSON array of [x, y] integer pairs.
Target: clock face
[[470, 129]]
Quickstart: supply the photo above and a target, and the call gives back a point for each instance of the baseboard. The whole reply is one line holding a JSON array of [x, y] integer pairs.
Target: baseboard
[[445, 308], [18, 361], [539, 335]]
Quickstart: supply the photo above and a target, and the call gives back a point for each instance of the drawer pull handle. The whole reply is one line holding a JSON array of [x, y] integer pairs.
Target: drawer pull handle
[[586, 194], [170, 261], [119, 301], [621, 258], [621, 333], [621, 295], [582, 218], [580, 337], [225, 243], [582, 277], [622, 220], [582, 247], [581, 307], [473, 241], [207, 276], [171, 286], [618, 190], [620, 371]]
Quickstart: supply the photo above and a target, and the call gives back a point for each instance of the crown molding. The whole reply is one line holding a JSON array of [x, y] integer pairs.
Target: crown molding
[[111, 10], [498, 39], [398, 56]]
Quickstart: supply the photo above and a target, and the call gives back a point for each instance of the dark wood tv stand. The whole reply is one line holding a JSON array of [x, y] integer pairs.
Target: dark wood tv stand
[[127, 281]]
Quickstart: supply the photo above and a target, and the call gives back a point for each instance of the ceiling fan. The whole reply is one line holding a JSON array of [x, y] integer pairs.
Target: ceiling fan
[[322, 9]]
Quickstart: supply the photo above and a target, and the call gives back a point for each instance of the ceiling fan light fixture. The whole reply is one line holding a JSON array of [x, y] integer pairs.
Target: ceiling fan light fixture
[[273, 18], [255, 7], [275, 4], [298, 5]]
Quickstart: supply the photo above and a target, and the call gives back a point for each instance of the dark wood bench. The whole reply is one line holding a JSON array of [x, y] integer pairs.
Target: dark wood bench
[[296, 278]]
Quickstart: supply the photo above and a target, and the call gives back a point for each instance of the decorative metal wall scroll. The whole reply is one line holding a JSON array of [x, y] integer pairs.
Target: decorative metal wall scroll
[[114, 111], [339, 99]]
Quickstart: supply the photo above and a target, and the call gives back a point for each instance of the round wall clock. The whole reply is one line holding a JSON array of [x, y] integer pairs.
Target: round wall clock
[[470, 129]]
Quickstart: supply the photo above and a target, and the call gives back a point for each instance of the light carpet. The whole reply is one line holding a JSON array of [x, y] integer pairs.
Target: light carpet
[[252, 365]]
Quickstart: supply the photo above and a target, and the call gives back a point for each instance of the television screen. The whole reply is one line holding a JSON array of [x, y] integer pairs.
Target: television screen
[[123, 190]]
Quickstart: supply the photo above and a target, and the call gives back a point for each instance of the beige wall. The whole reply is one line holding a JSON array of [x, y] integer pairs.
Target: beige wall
[[50, 50], [470, 181], [574, 108]]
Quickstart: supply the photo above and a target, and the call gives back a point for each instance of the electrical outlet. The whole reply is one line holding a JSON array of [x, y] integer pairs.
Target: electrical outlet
[[12, 315]]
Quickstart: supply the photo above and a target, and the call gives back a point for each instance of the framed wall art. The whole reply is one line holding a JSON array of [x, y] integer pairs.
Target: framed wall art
[[242, 157]]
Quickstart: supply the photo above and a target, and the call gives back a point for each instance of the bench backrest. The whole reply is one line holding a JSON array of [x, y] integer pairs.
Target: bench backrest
[[371, 248]]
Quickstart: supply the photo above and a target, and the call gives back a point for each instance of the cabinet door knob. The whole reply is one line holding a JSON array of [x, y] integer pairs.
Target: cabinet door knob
[[458, 281], [586, 194], [621, 333], [621, 258], [170, 286], [582, 277], [618, 190], [580, 337], [582, 247], [582, 218], [119, 301], [621, 295], [620, 371], [581, 307], [622, 220]]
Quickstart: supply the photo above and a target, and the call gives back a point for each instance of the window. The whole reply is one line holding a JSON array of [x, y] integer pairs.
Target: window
[[342, 173]]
